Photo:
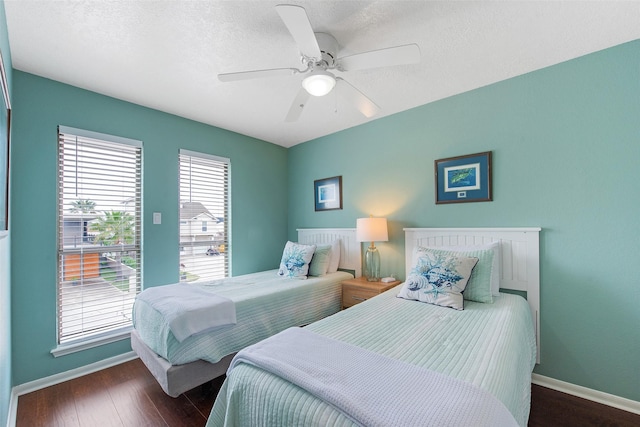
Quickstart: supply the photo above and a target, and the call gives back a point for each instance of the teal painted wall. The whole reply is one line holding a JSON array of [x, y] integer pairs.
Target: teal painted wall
[[5, 261], [566, 146], [259, 215], [566, 141]]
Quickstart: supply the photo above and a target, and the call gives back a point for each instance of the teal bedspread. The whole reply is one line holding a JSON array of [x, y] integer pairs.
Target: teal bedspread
[[265, 305], [489, 345]]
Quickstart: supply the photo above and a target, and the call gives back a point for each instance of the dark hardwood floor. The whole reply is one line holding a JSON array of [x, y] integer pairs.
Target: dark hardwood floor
[[127, 395], [123, 395]]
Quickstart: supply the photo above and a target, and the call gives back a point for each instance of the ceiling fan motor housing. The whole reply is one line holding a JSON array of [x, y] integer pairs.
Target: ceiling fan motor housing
[[328, 49]]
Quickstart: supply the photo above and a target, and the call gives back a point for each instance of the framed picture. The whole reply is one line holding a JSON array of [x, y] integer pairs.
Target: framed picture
[[5, 121], [328, 193], [464, 179]]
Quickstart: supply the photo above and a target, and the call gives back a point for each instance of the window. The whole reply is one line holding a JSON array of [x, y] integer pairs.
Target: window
[[204, 217], [99, 233]]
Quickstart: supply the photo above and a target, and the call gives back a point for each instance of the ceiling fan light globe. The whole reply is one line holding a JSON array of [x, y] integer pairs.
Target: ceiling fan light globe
[[319, 83]]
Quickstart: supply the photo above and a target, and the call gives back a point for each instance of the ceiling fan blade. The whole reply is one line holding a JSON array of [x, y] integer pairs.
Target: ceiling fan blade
[[399, 55], [299, 102], [352, 95], [297, 21], [257, 74]]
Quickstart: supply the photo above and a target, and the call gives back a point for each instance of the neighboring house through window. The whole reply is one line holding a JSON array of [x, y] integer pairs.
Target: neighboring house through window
[[204, 217], [99, 234]]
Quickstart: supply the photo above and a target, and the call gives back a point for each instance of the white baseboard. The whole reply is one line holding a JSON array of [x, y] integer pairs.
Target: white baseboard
[[614, 401], [41, 383], [13, 409]]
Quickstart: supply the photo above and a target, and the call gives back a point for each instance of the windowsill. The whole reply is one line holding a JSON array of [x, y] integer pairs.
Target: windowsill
[[74, 347]]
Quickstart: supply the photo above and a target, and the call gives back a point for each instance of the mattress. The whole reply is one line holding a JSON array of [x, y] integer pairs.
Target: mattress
[[265, 305], [489, 345]]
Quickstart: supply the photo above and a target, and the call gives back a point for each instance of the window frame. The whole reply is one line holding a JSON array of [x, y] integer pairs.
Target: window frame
[[185, 248], [108, 332]]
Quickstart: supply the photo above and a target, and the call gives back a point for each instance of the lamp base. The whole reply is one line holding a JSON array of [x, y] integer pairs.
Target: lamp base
[[372, 264]]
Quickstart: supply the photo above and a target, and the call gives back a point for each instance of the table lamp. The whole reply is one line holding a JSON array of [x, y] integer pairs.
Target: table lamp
[[372, 230]]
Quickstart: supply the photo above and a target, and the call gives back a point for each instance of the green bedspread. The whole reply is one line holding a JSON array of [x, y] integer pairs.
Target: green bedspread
[[265, 305], [489, 345]]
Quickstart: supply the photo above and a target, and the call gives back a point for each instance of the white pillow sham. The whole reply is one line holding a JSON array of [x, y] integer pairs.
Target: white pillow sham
[[438, 278], [335, 257], [295, 260]]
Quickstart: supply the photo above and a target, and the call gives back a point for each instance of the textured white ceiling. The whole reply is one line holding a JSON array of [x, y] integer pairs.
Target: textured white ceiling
[[167, 54]]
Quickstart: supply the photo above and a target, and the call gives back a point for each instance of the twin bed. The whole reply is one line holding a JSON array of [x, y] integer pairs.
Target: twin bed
[[265, 304], [386, 361], [392, 361]]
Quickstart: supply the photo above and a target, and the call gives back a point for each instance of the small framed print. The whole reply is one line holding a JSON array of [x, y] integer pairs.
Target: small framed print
[[464, 179], [328, 193]]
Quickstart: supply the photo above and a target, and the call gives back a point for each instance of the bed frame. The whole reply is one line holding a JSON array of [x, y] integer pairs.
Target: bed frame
[[176, 379], [520, 248]]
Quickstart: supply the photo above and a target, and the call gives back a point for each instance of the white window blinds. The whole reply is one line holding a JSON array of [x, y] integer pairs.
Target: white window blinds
[[99, 233], [204, 217]]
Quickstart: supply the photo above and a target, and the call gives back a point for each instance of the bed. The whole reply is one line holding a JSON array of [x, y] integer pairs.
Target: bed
[[264, 304], [487, 349]]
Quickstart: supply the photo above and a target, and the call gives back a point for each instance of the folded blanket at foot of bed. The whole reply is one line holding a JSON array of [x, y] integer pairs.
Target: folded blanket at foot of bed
[[190, 309], [369, 388]]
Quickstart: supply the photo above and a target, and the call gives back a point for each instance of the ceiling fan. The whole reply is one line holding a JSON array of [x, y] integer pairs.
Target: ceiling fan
[[319, 57]]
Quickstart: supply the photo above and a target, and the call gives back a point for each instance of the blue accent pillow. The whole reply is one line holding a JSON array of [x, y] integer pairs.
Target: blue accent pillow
[[496, 265], [320, 261], [295, 260], [439, 279]]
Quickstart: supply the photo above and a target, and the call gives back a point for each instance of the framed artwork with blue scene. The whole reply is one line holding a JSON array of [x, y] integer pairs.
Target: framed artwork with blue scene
[[328, 193], [464, 179]]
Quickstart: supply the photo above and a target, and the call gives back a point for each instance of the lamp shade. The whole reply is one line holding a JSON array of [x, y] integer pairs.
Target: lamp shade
[[371, 230], [319, 82]]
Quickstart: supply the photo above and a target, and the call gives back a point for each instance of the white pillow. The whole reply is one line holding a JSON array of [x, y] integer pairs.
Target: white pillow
[[496, 265], [438, 278], [295, 260], [335, 257]]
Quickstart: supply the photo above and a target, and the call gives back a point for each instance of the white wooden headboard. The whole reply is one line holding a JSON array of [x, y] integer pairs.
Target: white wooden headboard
[[520, 248], [350, 249]]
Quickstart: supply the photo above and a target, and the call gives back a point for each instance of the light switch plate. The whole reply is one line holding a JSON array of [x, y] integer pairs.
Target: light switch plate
[[157, 218]]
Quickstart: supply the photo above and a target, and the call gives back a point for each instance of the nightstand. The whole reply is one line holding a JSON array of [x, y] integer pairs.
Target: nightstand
[[354, 291]]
